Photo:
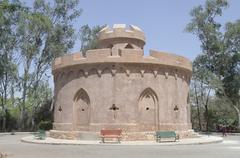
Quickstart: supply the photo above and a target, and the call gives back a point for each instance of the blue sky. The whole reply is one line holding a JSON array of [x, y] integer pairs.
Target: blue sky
[[163, 21]]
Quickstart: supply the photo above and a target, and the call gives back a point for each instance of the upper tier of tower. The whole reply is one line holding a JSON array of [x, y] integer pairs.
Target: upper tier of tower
[[121, 36]]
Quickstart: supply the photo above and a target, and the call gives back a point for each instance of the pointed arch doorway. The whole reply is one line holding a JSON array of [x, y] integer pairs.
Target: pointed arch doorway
[[81, 110], [148, 118]]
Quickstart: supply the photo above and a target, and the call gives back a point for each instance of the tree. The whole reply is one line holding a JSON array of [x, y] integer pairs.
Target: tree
[[45, 32], [231, 73], [39, 101], [220, 48], [88, 37], [203, 85], [8, 41]]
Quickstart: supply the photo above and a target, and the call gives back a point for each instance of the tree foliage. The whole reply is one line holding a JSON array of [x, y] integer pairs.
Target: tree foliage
[[8, 40], [31, 37], [219, 62], [45, 32], [88, 37]]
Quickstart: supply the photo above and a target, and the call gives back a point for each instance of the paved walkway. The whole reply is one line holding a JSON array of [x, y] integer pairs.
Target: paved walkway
[[189, 141], [14, 148]]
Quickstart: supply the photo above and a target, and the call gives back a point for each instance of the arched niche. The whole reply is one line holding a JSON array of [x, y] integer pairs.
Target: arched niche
[[129, 46], [80, 73], [81, 108], [148, 110], [110, 46]]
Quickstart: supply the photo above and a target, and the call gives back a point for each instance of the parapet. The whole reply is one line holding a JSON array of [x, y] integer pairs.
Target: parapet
[[171, 59], [130, 56]]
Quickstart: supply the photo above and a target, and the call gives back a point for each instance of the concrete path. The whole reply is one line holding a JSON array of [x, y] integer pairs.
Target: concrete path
[[189, 141], [14, 148]]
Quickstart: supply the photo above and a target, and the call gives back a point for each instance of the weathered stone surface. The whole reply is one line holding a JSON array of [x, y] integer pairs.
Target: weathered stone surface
[[115, 86]]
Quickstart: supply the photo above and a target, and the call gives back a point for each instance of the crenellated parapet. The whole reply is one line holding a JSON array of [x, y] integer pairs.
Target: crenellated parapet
[[121, 31], [121, 36], [131, 56]]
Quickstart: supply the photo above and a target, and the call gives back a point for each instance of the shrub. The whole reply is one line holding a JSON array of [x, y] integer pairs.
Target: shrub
[[45, 125]]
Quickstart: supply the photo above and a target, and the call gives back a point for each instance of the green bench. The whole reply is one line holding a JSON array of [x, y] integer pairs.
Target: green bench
[[166, 134], [41, 134]]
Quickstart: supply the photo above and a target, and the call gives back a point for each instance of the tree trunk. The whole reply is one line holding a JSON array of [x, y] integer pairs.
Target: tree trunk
[[33, 123], [22, 115], [24, 93], [206, 107], [4, 121], [238, 114], [4, 118], [198, 108], [4, 103]]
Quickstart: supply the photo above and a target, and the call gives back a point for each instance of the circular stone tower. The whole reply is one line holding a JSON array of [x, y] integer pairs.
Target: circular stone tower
[[116, 86]]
